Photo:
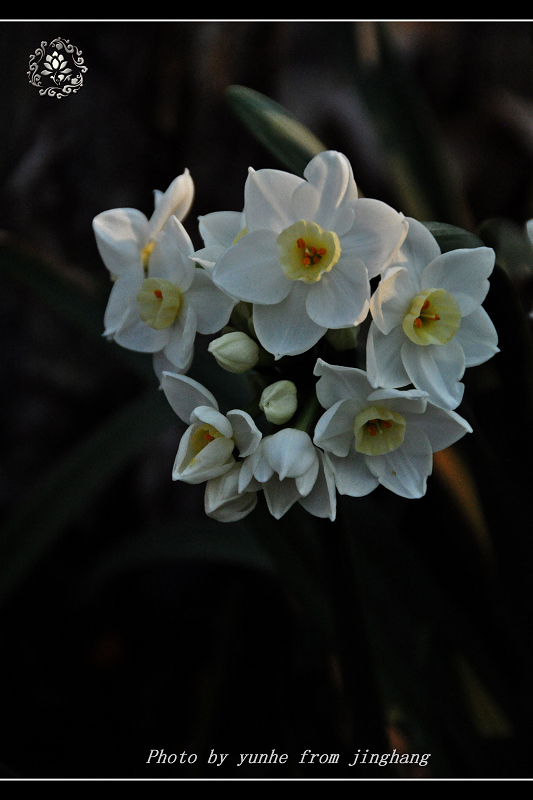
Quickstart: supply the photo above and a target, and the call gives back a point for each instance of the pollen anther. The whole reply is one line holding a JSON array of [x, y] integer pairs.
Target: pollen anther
[[306, 251], [434, 317], [378, 431]]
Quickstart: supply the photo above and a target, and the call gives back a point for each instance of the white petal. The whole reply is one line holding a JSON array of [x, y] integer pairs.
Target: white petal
[[383, 360], [250, 270], [330, 174], [306, 202], [246, 434], [478, 337], [122, 301], [322, 500], [162, 364], [285, 329], [232, 510], [392, 299], [215, 459], [255, 467], [341, 297], [442, 427], [340, 383], [405, 470], [437, 370], [135, 335], [176, 200], [267, 199], [418, 250], [334, 430], [280, 495], [210, 416], [121, 234], [184, 394], [352, 476], [406, 401], [464, 274], [219, 228], [212, 306], [122, 320], [376, 235], [306, 482], [290, 452], [181, 337], [207, 257], [170, 256], [222, 500]]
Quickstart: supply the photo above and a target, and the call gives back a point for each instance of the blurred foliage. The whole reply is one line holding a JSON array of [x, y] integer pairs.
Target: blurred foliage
[[128, 620]]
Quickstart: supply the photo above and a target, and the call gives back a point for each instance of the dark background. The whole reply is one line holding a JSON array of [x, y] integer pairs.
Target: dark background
[[107, 655]]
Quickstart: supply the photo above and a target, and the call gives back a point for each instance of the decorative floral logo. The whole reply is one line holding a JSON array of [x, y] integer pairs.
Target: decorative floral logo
[[57, 68]]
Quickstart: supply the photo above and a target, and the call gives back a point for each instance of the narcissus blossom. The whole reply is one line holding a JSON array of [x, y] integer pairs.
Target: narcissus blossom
[[125, 236], [222, 499], [291, 469], [206, 449], [428, 323], [160, 305], [307, 252], [380, 436]]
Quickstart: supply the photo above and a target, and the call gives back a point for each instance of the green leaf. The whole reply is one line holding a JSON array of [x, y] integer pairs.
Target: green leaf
[[43, 513], [513, 248], [286, 138], [452, 237]]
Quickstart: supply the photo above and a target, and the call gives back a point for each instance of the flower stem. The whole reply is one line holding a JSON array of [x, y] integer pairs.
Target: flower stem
[[306, 419], [366, 726]]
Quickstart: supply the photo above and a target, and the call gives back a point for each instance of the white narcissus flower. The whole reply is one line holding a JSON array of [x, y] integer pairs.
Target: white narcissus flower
[[206, 448], [224, 502], [428, 323], [160, 308], [125, 236], [310, 246], [291, 469], [380, 436]]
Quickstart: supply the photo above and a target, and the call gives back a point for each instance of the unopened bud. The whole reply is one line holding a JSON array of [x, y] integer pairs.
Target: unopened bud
[[278, 401], [235, 351]]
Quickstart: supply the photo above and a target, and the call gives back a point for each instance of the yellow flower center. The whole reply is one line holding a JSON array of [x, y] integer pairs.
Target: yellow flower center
[[145, 255], [201, 438], [434, 317], [242, 232], [378, 431], [306, 251], [159, 303]]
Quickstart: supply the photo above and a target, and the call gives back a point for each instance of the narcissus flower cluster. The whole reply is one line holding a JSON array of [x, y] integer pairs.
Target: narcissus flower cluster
[[354, 329]]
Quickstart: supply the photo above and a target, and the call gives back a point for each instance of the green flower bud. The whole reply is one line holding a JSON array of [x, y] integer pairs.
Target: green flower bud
[[278, 401], [235, 351]]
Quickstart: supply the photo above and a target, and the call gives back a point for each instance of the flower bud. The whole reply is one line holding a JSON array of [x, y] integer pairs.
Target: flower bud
[[278, 401], [235, 351]]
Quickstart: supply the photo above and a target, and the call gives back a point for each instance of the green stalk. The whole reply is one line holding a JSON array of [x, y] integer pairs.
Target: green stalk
[[366, 725]]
